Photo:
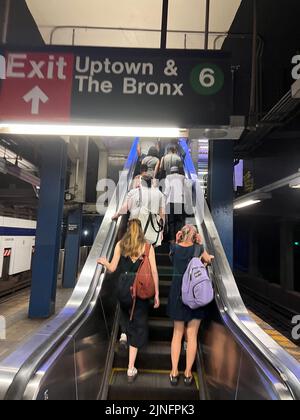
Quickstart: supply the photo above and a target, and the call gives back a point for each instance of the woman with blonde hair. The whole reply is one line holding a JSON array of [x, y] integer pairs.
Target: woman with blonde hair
[[186, 321], [128, 256]]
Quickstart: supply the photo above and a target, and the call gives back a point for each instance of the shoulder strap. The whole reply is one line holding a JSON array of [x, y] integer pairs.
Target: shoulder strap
[[199, 249], [150, 215], [147, 249]]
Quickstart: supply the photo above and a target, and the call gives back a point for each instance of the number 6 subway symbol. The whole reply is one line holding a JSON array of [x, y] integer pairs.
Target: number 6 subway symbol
[[207, 79]]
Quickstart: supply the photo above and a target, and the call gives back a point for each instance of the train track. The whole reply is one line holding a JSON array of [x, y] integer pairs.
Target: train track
[[15, 290], [278, 317]]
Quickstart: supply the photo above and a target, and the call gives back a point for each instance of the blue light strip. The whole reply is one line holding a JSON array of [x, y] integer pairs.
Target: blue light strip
[[132, 157], [188, 162], [13, 231]]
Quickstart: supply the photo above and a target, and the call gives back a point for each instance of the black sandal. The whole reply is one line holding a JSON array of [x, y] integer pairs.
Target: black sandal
[[188, 381], [174, 380]]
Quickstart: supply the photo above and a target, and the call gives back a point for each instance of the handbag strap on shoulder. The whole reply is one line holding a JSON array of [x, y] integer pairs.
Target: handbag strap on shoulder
[[199, 249], [147, 249]]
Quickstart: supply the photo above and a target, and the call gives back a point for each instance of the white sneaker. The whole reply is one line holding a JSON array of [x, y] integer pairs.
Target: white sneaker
[[123, 342], [132, 375]]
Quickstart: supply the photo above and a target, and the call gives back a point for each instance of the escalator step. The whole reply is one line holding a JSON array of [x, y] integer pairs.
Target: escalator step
[[165, 273], [163, 249], [164, 288], [156, 354], [160, 329], [163, 260], [161, 312], [149, 385]]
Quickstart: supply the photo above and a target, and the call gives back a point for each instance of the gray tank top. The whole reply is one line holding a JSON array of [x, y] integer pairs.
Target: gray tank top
[[171, 160], [151, 162]]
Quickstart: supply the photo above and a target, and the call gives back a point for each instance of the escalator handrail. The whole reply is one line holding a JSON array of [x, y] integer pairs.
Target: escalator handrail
[[285, 365], [17, 370]]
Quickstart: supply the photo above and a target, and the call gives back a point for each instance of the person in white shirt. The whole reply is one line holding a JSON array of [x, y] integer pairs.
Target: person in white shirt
[[175, 188], [147, 204]]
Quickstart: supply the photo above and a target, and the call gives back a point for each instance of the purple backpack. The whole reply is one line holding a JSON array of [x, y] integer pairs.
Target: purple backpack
[[197, 288]]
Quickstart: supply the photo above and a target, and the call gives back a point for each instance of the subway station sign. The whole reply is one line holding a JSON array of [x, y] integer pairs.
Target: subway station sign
[[116, 87]]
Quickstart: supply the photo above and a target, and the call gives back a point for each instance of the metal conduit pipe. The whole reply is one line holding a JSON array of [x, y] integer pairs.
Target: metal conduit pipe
[[110, 28], [207, 20], [218, 35], [5, 21], [252, 108], [164, 24]]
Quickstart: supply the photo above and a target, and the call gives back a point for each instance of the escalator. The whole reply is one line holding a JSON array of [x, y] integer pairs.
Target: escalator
[[76, 356], [154, 360]]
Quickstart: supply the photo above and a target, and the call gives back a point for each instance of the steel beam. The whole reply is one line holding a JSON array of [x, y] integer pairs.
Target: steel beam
[[72, 246], [164, 24], [207, 21], [220, 191], [19, 173], [48, 235]]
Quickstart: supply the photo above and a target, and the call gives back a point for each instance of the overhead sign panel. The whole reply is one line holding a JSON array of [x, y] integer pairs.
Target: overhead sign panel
[[38, 86], [117, 86]]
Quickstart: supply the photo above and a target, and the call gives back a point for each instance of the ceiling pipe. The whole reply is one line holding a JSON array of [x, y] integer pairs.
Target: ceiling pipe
[[207, 21], [15, 171], [164, 25], [217, 34], [252, 111], [5, 21]]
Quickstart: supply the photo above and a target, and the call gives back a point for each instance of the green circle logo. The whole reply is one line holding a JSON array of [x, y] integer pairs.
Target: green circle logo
[[207, 79]]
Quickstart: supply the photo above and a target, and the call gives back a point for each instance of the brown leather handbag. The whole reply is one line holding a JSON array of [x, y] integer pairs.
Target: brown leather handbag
[[143, 286]]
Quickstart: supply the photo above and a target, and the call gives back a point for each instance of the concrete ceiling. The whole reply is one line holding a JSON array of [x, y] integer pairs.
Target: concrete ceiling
[[184, 15]]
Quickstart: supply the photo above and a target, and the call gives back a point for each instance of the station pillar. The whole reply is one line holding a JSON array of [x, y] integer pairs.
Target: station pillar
[[253, 250], [48, 234], [72, 247], [221, 191], [96, 226], [287, 256]]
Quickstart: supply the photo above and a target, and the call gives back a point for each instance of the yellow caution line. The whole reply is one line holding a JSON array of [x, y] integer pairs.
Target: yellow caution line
[[153, 372]]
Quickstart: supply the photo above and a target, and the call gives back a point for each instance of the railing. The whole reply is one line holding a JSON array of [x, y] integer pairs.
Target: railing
[[215, 36], [19, 369], [75, 29], [274, 365]]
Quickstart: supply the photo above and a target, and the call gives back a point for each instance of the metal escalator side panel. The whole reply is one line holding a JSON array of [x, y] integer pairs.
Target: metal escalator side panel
[[17, 370], [232, 309]]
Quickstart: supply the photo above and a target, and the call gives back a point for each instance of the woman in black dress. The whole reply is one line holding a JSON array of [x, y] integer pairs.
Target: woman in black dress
[[127, 259], [188, 245]]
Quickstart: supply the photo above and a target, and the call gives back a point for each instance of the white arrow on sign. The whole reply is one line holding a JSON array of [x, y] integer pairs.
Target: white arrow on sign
[[36, 95]]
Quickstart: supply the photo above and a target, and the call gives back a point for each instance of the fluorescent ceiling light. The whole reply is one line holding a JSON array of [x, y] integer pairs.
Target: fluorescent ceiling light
[[251, 199], [295, 184], [90, 130], [247, 203]]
